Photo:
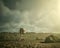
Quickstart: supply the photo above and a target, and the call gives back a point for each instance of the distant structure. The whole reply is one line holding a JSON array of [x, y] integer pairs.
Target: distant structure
[[21, 31]]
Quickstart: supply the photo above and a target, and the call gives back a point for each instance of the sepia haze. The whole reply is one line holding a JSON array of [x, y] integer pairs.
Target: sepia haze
[[32, 15]]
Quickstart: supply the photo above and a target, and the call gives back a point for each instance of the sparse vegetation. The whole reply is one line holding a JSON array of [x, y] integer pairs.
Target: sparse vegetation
[[27, 40]]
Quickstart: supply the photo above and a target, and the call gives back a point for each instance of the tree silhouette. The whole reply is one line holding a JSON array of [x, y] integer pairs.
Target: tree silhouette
[[21, 31]]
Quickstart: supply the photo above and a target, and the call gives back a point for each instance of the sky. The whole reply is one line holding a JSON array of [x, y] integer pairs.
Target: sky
[[32, 15]]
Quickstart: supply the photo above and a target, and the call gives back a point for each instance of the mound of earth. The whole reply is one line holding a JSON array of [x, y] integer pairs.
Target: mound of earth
[[52, 39]]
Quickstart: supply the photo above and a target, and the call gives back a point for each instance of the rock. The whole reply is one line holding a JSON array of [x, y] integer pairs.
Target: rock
[[52, 39]]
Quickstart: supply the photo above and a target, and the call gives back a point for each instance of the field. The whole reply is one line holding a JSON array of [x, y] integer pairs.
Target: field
[[27, 40]]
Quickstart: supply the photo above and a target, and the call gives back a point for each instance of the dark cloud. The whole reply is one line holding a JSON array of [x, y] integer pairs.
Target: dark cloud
[[28, 14], [7, 16], [10, 3]]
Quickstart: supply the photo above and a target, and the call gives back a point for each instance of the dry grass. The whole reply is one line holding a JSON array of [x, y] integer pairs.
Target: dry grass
[[26, 41]]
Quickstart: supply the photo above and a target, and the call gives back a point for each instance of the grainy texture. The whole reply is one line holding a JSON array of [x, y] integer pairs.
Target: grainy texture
[[27, 40]]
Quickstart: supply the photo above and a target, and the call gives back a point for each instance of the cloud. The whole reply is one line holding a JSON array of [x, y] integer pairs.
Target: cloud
[[11, 4], [31, 16], [12, 20], [7, 17]]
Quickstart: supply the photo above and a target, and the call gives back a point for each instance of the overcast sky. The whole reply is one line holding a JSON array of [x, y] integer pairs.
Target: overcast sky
[[32, 15]]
